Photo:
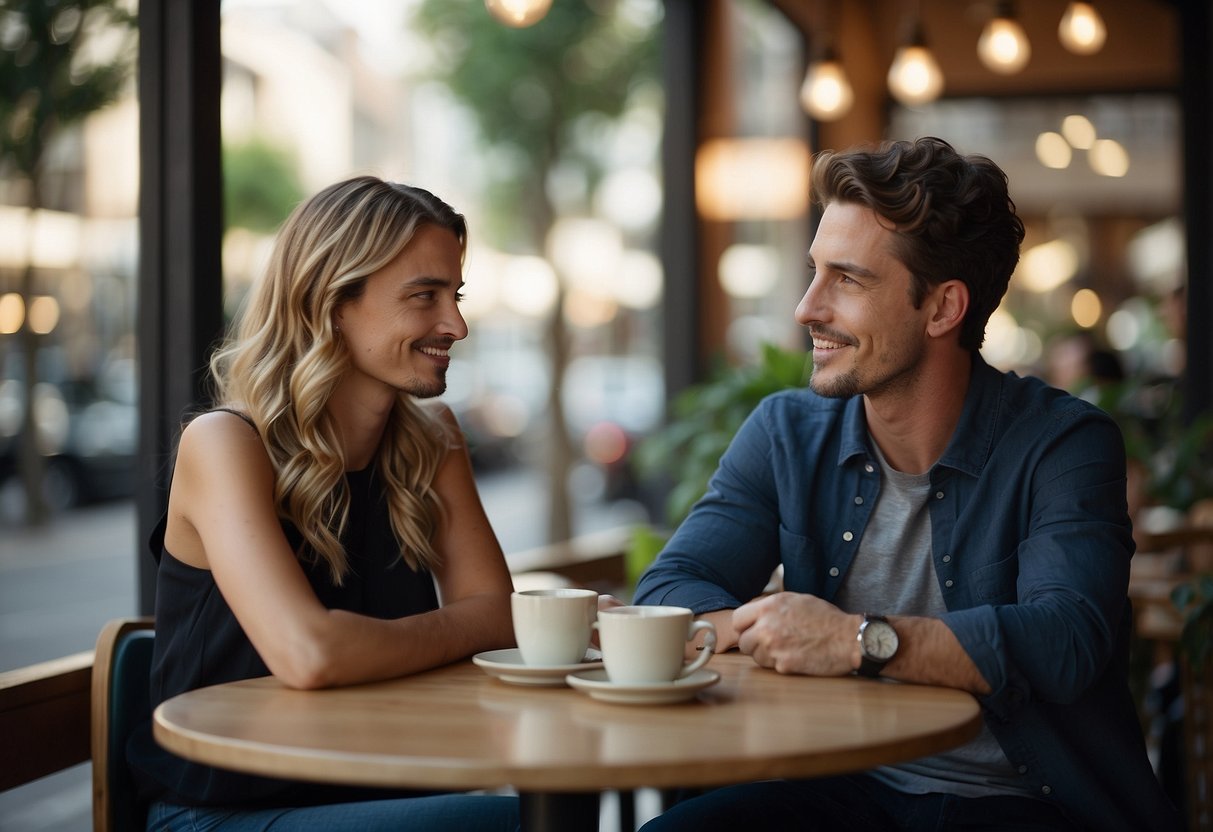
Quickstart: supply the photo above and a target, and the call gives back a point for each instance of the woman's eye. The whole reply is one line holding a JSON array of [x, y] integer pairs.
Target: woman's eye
[[459, 297]]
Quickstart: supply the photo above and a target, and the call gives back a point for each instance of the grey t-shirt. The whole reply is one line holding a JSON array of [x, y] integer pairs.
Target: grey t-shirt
[[893, 574]]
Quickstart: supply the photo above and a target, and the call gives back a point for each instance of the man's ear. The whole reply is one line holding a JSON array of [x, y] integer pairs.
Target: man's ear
[[949, 302]]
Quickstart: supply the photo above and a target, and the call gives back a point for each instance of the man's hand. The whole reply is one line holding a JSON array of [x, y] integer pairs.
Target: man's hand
[[726, 637], [606, 602], [795, 633]]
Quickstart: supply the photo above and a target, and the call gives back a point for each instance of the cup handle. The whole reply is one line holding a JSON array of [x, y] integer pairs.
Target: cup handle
[[709, 647]]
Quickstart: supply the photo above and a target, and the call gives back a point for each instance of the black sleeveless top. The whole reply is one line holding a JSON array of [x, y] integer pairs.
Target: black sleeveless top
[[200, 643]]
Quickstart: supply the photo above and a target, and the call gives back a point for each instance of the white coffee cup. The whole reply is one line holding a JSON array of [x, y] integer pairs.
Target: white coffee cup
[[647, 644], [552, 626]]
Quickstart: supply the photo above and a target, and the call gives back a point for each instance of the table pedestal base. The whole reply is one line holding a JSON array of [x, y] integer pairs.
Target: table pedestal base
[[557, 812]]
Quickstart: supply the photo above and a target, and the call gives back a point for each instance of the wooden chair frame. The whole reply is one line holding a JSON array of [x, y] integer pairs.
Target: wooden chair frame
[[108, 641]]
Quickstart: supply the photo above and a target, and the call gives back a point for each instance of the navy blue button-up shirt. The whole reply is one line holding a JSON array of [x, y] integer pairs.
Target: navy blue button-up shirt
[[1031, 543]]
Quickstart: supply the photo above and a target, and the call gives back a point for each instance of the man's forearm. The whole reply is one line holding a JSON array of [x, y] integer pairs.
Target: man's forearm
[[930, 654]]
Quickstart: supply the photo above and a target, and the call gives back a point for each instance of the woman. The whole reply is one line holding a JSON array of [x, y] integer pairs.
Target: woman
[[319, 512]]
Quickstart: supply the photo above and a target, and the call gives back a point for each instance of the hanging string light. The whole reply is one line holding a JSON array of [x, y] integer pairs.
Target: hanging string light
[[518, 13], [1082, 30], [1003, 46], [915, 77]]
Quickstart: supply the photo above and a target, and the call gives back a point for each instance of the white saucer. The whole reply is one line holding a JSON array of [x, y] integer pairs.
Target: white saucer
[[507, 666], [597, 685]]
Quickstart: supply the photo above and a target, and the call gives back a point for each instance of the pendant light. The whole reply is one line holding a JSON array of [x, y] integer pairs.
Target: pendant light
[[1082, 30], [826, 93], [518, 13], [1003, 46], [915, 77]]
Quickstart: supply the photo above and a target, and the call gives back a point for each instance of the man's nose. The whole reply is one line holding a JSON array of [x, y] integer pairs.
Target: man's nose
[[810, 308]]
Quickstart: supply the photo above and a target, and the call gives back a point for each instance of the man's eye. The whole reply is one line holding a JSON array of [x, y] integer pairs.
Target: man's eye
[[459, 297]]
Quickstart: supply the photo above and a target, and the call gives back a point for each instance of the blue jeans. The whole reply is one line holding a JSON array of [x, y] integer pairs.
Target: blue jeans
[[437, 813], [854, 803]]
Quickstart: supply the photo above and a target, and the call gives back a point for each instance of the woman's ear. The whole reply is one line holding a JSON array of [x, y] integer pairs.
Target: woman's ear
[[949, 303]]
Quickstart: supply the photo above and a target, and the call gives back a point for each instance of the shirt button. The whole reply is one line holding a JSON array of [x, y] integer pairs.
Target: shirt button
[[1046, 790], [833, 571], [947, 583], [947, 558], [938, 495], [869, 468], [859, 501], [1023, 769], [848, 536]]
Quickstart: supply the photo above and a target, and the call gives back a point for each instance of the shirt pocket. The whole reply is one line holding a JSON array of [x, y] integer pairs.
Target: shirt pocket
[[995, 582], [799, 564]]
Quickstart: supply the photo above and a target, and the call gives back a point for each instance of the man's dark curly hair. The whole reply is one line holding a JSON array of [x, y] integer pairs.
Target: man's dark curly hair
[[951, 213]]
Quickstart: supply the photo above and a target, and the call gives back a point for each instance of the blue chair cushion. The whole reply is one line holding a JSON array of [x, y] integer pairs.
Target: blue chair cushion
[[129, 705]]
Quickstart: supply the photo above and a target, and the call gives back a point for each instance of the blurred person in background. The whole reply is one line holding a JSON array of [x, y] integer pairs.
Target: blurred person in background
[[1079, 364], [321, 509]]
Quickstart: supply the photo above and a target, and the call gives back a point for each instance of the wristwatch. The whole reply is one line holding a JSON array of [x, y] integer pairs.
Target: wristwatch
[[877, 644]]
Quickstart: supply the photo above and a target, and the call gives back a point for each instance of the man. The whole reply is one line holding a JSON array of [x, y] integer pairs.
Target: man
[[937, 521]]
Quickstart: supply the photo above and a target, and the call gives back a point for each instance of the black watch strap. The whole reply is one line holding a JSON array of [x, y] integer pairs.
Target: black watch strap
[[870, 667]]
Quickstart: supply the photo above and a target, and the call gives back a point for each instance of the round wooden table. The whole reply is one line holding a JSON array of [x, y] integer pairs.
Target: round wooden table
[[457, 728]]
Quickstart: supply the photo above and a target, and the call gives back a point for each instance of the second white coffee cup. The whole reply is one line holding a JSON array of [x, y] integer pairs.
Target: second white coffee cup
[[552, 626], [647, 644]]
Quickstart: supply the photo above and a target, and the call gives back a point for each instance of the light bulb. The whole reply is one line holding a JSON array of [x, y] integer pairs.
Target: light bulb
[[1003, 46], [1082, 30], [915, 77], [1079, 131], [518, 13], [1108, 157], [826, 93]]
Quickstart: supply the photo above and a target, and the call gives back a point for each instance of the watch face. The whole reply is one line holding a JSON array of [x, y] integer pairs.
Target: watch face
[[879, 640]]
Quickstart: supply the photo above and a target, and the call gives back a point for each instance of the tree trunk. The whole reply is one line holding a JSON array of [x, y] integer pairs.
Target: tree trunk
[[559, 445], [29, 455]]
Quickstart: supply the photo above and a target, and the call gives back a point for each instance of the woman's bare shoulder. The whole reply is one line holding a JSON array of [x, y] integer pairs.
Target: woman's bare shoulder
[[220, 432]]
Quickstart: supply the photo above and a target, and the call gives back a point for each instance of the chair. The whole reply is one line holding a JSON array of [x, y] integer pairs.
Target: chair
[[1157, 619], [120, 700]]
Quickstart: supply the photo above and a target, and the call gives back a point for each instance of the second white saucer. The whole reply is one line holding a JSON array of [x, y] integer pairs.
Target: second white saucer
[[599, 686], [507, 665]]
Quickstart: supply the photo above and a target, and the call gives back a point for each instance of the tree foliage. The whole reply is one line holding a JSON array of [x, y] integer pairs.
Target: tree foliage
[[260, 185], [50, 73], [531, 90]]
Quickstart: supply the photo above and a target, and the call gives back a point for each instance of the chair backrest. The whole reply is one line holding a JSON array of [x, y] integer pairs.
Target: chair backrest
[[122, 666]]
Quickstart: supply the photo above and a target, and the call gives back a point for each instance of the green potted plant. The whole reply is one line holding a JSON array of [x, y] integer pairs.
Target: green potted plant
[[704, 419]]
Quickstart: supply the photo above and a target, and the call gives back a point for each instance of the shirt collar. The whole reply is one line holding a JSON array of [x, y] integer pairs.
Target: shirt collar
[[970, 446], [973, 441]]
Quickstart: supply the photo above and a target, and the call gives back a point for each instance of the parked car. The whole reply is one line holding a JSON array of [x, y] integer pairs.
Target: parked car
[[88, 433]]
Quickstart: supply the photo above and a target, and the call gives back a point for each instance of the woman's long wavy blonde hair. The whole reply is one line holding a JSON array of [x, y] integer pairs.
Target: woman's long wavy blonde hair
[[283, 362]]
